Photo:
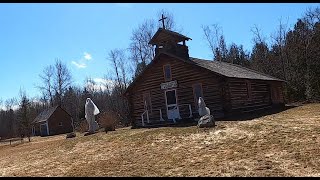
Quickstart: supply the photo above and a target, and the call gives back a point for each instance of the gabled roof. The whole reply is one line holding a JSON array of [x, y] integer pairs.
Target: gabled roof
[[165, 34], [45, 115], [216, 67], [232, 70]]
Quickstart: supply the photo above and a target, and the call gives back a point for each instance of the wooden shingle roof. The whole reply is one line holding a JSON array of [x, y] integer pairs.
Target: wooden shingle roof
[[220, 68], [232, 70], [45, 115]]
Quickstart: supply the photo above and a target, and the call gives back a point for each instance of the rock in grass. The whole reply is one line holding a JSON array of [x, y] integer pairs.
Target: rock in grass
[[206, 121], [71, 135]]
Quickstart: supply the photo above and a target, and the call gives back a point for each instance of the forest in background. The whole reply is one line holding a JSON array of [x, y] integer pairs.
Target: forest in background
[[292, 54]]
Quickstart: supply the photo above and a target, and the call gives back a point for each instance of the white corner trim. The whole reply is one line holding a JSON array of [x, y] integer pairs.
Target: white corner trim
[[47, 127]]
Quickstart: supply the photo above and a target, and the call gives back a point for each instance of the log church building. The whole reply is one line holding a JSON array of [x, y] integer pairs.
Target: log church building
[[168, 89]]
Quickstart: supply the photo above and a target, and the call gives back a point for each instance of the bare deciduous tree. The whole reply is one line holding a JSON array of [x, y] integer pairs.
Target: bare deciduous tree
[[114, 57], [279, 41], [123, 70], [257, 35], [24, 115], [90, 85], [72, 103], [215, 39], [311, 18], [108, 84], [55, 81], [62, 80], [118, 59], [9, 103], [141, 52], [47, 86], [260, 51]]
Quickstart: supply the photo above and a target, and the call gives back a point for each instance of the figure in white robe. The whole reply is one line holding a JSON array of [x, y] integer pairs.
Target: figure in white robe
[[206, 120], [203, 110], [90, 111]]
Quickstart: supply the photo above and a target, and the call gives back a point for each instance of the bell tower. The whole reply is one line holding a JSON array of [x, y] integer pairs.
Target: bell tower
[[170, 42]]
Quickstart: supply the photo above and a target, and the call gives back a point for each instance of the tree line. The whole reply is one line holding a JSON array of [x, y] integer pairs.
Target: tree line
[[292, 55]]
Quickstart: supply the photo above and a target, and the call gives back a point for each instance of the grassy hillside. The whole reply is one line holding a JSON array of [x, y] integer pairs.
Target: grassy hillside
[[282, 144]]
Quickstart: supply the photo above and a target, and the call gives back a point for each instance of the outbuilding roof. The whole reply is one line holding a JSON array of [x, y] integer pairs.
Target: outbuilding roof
[[45, 115]]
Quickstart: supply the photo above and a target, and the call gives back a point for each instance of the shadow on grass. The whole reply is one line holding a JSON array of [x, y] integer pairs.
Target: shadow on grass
[[256, 114], [240, 116]]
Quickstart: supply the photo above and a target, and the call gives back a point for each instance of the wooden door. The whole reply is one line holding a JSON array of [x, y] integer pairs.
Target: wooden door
[[172, 105]]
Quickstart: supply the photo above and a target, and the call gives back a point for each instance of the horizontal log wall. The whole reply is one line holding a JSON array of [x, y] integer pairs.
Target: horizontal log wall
[[222, 95], [186, 75], [259, 94]]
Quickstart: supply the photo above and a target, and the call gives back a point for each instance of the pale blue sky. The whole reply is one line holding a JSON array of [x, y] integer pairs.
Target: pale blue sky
[[33, 35]]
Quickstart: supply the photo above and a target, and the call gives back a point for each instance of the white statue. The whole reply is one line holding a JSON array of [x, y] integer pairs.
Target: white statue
[[206, 120], [90, 111], [203, 110]]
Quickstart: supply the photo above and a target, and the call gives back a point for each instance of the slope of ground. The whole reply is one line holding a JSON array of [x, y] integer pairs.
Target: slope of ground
[[282, 144]]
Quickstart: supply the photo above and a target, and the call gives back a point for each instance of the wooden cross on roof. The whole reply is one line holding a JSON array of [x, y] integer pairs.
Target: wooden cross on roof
[[162, 19]]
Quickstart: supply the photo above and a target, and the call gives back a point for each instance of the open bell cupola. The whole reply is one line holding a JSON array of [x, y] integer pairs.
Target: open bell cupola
[[170, 42]]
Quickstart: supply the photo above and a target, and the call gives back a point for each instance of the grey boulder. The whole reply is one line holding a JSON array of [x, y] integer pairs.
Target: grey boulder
[[206, 121]]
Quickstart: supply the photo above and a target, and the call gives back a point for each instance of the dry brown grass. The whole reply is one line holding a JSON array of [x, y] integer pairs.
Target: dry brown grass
[[107, 120], [82, 126], [282, 144]]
